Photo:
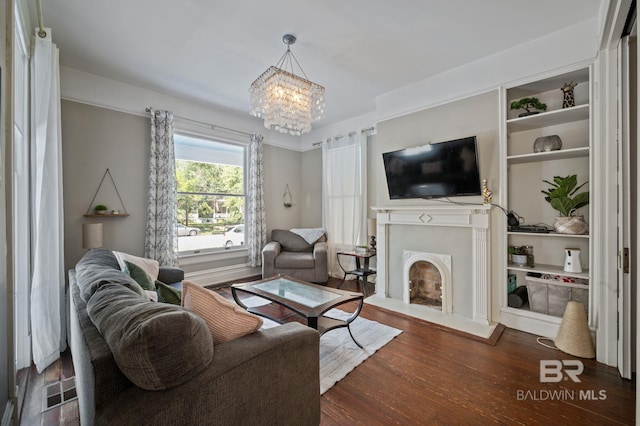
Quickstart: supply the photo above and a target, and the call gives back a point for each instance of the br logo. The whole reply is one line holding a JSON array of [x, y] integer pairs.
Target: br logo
[[554, 371]]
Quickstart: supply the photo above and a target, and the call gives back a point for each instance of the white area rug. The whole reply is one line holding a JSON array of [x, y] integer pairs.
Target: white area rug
[[339, 355]]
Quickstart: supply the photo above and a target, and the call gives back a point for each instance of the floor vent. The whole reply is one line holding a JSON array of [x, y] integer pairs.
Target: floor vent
[[60, 392]]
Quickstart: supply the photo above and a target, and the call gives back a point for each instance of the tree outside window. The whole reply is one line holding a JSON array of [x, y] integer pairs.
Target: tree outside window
[[211, 193]]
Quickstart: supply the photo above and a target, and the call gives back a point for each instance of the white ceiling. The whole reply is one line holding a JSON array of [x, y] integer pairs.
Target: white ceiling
[[210, 51]]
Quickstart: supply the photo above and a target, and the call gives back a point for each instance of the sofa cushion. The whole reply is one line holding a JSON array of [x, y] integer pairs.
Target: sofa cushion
[[156, 345], [225, 319], [295, 260], [150, 266], [290, 241], [168, 294], [99, 266], [141, 276]]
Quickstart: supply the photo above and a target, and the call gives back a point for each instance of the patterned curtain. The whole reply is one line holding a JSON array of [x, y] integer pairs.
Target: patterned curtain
[[161, 238], [344, 196], [256, 225]]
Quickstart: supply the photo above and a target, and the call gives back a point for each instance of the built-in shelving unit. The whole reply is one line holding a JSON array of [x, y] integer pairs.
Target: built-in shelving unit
[[523, 172]]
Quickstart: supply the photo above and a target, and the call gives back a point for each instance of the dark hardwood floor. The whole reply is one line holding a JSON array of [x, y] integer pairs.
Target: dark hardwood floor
[[430, 375]]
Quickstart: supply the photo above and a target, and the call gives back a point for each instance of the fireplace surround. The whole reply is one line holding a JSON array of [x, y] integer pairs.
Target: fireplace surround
[[475, 218]]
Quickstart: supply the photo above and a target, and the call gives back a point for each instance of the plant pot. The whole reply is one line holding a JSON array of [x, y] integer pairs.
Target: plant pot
[[528, 113], [519, 259], [102, 211], [574, 225]]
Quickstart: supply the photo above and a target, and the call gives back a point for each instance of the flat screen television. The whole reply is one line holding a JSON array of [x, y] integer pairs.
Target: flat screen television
[[434, 170]]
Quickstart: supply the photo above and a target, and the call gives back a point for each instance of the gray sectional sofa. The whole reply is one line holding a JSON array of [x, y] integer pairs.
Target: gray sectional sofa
[[119, 338]]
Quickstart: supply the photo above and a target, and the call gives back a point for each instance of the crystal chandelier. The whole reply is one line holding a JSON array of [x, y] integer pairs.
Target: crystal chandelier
[[287, 103]]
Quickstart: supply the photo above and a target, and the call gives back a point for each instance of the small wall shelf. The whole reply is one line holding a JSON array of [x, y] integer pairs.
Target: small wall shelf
[[124, 209], [107, 215]]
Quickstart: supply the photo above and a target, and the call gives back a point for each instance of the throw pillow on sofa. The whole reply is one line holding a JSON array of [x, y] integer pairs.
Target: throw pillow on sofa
[[156, 345], [168, 294], [225, 319], [150, 266], [141, 276]]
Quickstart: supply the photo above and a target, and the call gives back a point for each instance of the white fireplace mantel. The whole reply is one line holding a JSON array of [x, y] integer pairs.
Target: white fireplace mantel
[[450, 215]]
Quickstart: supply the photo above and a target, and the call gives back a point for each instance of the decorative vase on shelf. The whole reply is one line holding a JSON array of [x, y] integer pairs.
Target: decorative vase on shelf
[[574, 225], [547, 143], [564, 197]]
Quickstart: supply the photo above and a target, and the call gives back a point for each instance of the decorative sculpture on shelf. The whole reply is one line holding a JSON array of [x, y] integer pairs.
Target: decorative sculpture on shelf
[[569, 99], [527, 104], [487, 195]]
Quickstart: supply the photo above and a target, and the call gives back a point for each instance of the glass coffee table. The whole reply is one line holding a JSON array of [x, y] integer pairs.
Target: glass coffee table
[[308, 300]]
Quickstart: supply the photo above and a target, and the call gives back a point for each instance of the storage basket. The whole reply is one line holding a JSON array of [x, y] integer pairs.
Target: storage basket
[[550, 296]]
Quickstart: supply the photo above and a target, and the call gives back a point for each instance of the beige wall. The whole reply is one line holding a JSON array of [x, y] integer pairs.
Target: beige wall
[[311, 197], [94, 139], [477, 116], [282, 168]]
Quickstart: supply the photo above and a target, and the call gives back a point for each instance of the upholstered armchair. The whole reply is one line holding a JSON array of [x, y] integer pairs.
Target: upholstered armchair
[[290, 254]]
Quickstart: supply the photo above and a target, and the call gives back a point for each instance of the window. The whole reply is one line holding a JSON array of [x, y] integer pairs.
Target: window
[[210, 206]]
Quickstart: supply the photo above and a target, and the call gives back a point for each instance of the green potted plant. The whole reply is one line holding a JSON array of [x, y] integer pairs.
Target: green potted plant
[[564, 197], [100, 209], [527, 104]]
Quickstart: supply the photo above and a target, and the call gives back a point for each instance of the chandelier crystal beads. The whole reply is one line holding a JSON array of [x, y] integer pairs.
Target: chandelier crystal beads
[[287, 103]]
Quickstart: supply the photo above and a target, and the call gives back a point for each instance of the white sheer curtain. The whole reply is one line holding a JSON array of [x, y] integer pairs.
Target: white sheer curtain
[[344, 195], [160, 236], [48, 319], [256, 222]]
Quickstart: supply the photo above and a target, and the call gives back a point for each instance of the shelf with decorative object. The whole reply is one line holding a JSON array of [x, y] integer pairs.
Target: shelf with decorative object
[[550, 118], [101, 208], [548, 234], [549, 269], [561, 154], [106, 215]]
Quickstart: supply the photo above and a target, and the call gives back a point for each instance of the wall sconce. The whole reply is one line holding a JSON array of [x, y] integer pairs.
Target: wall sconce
[[287, 200], [91, 235], [371, 230]]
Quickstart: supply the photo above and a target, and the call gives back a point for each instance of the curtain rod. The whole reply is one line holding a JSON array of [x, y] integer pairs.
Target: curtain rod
[[42, 33], [350, 134], [213, 126]]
